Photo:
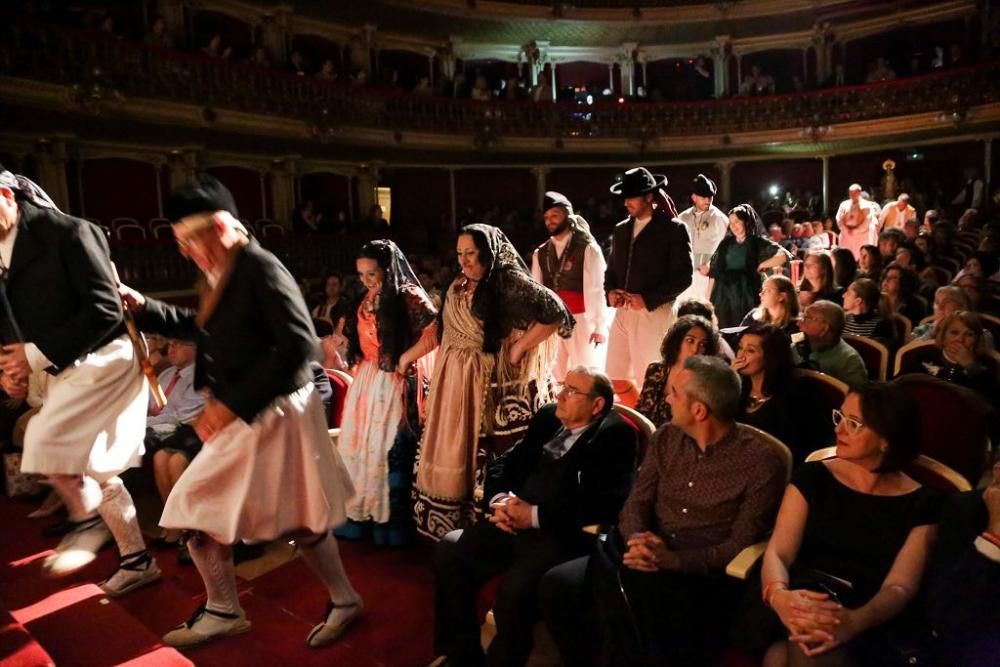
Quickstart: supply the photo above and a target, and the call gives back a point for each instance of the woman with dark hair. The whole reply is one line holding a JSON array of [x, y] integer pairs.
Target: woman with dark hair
[[779, 306], [736, 267], [845, 267], [862, 308], [850, 543], [870, 262], [490, 377], [899, 287], [771, 400], [333, 307], [818, 279], [690, 335], [389, 328], [961, 356]]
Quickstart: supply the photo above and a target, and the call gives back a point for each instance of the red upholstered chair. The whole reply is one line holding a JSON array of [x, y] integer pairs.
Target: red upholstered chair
[[913, 353], [341, 382], [272, 231], [873, 353], [827, 390], [931, 473], [992, 324], [903, 327], [954, 421], [642, 424]]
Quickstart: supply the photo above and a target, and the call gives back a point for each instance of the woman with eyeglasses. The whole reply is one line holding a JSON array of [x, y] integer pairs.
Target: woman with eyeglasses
[[850, 544], [690, 335], [779, 306], [771, 399]]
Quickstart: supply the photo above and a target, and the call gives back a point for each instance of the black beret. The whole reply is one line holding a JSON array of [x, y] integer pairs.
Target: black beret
[[204, 195], [704, 186], [553, 199]]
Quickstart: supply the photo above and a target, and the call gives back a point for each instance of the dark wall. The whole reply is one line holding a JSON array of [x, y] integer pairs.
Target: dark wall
[[245, 184], [116, 187]]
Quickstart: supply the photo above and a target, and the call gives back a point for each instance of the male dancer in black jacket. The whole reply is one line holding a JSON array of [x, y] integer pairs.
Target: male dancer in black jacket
[[60, 313]]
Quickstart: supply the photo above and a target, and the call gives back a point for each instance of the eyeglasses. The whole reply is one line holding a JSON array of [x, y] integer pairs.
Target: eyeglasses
[[569, 392], [851, 425]]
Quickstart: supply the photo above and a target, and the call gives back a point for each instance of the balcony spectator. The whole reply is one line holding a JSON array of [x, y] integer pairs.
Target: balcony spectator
[[376, 223], [704, 87], [880, 71], [359, 78], [306, 219], [328, 71], [481, 90], [512, 89], [757, 82], [260, 57], [216, 49], [457, 88], [297, 63], [542, 92], [423, 86], [108, 26], [971, 194], [956, 57], [158, 35]]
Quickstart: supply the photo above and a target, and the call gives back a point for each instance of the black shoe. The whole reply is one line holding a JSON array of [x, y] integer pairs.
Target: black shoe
[[184, 556], [244, 552]]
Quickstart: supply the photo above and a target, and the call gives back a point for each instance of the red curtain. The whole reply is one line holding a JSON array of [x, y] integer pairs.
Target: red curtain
[[245, 184]]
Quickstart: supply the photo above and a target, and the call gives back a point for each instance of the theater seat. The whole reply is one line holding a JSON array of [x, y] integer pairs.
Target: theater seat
[[642, 424], [930, 472], [911, 354], [873, 353], [903, 327], [829, 390], [955, 423], [341, 382], [992, 324]]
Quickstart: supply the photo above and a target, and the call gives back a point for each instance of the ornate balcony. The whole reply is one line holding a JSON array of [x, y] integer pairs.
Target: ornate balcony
[[100, 74]]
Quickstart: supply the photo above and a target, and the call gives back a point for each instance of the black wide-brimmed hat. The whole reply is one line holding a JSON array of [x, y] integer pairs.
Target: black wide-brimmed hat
[[703, 186], [638, 181], [206, 194]]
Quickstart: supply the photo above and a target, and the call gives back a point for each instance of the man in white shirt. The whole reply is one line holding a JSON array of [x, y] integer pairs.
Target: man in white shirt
[[572, 265], [896, 215], [858, 222], [707, 225]]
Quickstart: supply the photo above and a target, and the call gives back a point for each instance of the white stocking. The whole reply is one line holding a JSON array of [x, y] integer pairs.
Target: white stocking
[[118, 512], [215, 565], [81, 494], [323, 558]]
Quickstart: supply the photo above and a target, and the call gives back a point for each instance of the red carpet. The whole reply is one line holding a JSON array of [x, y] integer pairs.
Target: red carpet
[[72, 621]]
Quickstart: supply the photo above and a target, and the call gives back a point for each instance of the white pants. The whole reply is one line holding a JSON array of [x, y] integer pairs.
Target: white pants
[[577, 350], [634, 343]]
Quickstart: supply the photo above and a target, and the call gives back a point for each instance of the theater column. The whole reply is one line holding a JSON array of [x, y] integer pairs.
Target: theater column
[[720, 61], [283, 191], [182, 164], [725, 168], [51, 156], [540, 185], [367, 182], [274, 33]]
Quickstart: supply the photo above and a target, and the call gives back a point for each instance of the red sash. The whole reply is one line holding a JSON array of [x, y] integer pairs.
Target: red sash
[[573, 301]]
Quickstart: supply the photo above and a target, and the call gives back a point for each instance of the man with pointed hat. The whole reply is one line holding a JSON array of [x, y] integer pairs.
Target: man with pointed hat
[[707, 225], [60, 313], [572, 265], [266, 469], [649, 266]]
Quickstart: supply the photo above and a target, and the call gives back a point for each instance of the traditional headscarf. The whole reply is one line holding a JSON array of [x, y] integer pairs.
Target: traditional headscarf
[[507, 297], [392, 317], [27, 187], [751, 221]]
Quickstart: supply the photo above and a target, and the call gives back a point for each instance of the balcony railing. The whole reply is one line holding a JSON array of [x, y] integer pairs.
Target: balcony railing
[[98, 69]]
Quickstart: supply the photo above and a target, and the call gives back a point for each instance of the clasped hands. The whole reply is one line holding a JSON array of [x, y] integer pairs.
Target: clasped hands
[[647, 553], [621, 299], [511, 514], [15, 370], [815, 622]]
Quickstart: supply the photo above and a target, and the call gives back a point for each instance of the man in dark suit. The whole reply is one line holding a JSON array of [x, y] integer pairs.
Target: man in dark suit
[[59, 313], [573, 468], [650, 264]]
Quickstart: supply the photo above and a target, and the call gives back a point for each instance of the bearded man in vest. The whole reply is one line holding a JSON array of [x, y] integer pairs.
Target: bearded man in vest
[[572, 265]]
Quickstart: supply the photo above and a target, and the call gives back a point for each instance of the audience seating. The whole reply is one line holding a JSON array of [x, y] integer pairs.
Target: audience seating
[[903, 327], [162, 231], [642, 424], [955, 423], [931, 473], [941, 275], [992, 324], [873, 353], [927, 320], [272, 230], [341, 382], [913, 352], [830, 391], [950, 263], [130, 232], [740, 566], [122, 222]]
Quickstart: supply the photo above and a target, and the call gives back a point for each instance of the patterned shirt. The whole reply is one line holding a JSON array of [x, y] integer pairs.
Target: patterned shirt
[[706, 506]]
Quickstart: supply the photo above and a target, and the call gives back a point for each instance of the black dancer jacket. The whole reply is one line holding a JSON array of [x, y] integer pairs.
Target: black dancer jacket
[[657, 265]]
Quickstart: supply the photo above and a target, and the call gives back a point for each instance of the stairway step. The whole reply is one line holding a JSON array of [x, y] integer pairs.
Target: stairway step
[[17, 647]]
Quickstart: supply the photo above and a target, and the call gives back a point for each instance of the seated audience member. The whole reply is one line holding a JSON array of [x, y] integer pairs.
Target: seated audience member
[[899, 287], [963, 571], [703, 308], [888, 243], [574, 467], [817, 282], [823, 348], [870, 263], [960, 356], [908, 257], [982, 264], [169, 434], [978, 290], [779, 306], [845, 267], [334, 307], [849, 545], [947, 300], [156, 345], [690, 335], [863, 313], [707, 488], [771, 399]]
